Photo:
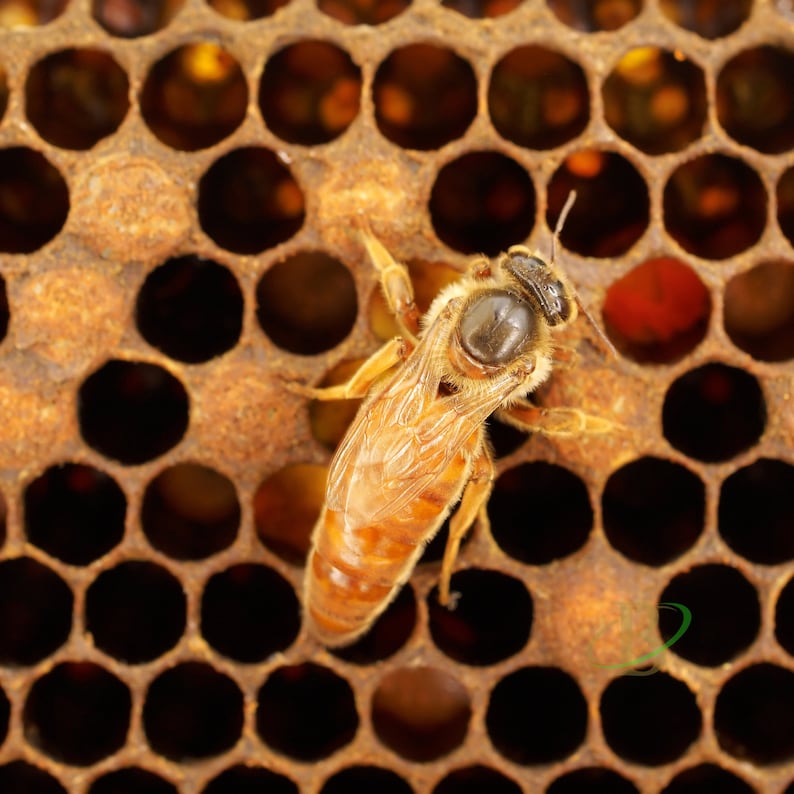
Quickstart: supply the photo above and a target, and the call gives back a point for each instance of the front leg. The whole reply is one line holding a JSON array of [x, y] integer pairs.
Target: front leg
[[555, 421]]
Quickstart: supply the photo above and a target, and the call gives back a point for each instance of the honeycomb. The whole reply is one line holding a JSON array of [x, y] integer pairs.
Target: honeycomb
[[180, 186]]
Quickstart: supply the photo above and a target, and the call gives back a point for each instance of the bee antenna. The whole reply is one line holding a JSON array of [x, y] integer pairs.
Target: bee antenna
[[561, 222]]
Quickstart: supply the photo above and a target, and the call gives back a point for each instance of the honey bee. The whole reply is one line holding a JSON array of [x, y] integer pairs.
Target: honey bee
[[417, 446]]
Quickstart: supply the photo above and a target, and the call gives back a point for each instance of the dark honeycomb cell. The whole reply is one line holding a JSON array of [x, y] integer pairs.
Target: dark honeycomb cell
[[363, 12], [421, 713], [707, 777], [190, 308], [242, 779], [595, 15], [192, 711], [707, 18], [425, 96], [35, 611], [364, 780], [592, 780], [74, 512], [249, 612], [654, 510], [536, 715], [538, 98], [132, 18], [306, 712], [754, 715], [135, 611], [504, 439], [19, 777], [784, 617], [77, 713], [650, 720], [310, 92], [307, 304], [714, 412], [245, 10], [476, 779], [132, 780]]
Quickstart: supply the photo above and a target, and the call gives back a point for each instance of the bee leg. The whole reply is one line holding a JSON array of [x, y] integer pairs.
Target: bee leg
[[555, 421], [475, 497]]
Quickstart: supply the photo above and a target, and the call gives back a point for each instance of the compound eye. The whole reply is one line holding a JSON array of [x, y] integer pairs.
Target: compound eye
[[497, 328], [533, 274]]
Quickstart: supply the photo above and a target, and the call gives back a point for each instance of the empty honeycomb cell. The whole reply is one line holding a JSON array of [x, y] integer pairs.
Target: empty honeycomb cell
[[364, 780], [190, 511], [35, 611], [74, 512], [387, 635], [191, 308], [132, 411], [482, 9], [538, 98], [504, 439], [754, 715], [329, 419], [77, 713], [711, 19], [536, 715], [425, 96], [131, 780], [307, 304], [35, 200], [475, 779], [596, 227], [785, 204], [249, 612], [756, 512], [241, 779], [249, 201], [784, 617], [715, 206], [727, 610], [592, 780], [21, 777], [306, 712], [286, 507], [363, 12], [707, 777], [310, 92], [595, 15], [135, 611], [755, 98], [76, 97], [132, 18], [192, 711], [759, 311], [482, 202], [539, 512], [491, 620], [421, 713], [658, 312], [651, 719], [653, 509], [245, 10], [655, 100], [194, 97], [714, 412]]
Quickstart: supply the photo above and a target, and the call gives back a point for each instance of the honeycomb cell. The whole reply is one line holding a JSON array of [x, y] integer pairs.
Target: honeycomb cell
[[425, 96], [132, 780], [76, 97], [715, 206], [785, 204], [310, 92], [35, 200], [286, 507], [365, 779], [475, 779], [595, 15], [784, 618], [754, 715], [592, 780], [650, 720], [306, 712], [654, 510], [191, 308], [249, 201], [192, 711], [538, 98], [656, 100], [421, 713], [190, 511], [714, 412], [242, 779], [711, 19], [307, 304], [77, 713], [596, 227], [756, 512], [74, 512], [504, 439], [330, 419], [539, 512], [491, 621], [536, 715], [249, 612], [707, 777], [23, 778], [482, 202], [759, 311], [130, 19], [35, 611], [135, 611], [658, 312], [246, 10], [363, 12]]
